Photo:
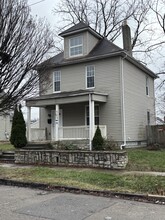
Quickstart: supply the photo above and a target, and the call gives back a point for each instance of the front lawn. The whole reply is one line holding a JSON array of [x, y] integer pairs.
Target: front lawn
[[6, 147], [90, 179], [145, 160]]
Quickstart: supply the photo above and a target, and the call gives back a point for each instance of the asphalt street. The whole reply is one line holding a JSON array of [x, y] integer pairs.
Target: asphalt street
[[29, 204]]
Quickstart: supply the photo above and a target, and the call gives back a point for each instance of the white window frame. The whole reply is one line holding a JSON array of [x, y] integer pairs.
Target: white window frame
[[54, 80], [75, 46], [86, 76], [87, 106], [147, 85]]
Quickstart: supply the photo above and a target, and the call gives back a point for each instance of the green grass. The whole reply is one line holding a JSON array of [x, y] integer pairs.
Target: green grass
[[93, 179], [87, 179], [6, 147], [145, 160]]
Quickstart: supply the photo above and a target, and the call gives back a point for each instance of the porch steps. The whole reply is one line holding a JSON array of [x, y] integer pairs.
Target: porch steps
[[7, 156], [37, 146]]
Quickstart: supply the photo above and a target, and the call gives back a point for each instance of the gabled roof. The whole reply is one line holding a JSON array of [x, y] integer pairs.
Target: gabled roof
[[80, 27]]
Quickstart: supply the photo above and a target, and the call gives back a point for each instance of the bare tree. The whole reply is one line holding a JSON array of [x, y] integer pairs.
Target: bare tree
[[23, 43], [105, 16], [146, 19]]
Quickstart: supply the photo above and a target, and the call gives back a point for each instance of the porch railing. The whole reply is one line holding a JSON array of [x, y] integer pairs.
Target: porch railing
[[67, 133], [78, 132]]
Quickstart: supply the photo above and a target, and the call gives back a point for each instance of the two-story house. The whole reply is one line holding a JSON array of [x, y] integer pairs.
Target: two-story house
[[94, 82]]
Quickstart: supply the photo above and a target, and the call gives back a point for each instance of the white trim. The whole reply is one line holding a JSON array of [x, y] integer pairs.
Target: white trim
[[86, 76], [28, 123], [56, 71], [91, 120], [79, 45]]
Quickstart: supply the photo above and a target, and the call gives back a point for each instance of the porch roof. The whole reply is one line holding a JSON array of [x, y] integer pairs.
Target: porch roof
[[66, 98]]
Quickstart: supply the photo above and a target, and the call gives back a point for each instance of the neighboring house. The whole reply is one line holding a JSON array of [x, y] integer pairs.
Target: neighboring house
[[94, 82], [5, 124], [5, 127]]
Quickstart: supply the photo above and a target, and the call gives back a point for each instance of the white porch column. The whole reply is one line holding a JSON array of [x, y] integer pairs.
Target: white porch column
[[57, 123], [91, 120], [29, 123]]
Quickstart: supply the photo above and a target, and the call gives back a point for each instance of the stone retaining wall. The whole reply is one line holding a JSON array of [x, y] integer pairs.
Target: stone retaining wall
[[108, 159]]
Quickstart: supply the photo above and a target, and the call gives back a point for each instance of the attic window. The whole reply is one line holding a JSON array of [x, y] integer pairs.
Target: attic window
[[76, 46]]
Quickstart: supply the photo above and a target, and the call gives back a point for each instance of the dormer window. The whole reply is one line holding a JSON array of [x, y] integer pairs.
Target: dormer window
[[76, 46]]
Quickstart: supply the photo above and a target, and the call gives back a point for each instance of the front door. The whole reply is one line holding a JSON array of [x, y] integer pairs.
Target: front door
[[53, 127]]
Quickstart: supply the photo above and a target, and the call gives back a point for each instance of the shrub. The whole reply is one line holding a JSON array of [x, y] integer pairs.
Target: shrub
[[110, 144], [18, 131], [153, 147], [97, 142]]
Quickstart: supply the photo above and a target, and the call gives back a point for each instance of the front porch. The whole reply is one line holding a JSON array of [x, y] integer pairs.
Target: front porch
[[67, 116], [66, 133]]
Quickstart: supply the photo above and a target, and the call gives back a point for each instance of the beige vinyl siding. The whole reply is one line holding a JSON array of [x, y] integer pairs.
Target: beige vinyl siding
[[137, 103], [74, 114], [108, 78], [89, 41]]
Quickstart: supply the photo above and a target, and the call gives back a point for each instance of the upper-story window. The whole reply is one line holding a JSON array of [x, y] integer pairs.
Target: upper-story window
[[90, 76], [57, 81], [147, 86], [76, 46]]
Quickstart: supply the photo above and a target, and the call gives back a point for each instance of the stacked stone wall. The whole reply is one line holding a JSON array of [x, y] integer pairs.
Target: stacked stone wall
[[98, 159]]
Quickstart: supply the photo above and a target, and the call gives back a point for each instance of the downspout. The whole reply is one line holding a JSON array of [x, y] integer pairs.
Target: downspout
[[123, 106]]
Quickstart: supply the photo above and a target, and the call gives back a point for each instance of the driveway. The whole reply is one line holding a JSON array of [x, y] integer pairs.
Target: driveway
[[28, 204]]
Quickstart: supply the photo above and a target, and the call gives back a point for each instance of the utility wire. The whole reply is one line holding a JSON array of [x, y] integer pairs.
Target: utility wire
[[37, 3]]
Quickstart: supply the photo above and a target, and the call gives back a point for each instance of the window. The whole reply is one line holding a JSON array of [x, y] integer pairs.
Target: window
[[148, 118], [76, 46], [147, 86], [96, 115], [90, 75], [57, 81]]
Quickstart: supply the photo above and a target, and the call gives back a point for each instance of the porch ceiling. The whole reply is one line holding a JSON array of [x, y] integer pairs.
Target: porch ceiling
[[66, 98]]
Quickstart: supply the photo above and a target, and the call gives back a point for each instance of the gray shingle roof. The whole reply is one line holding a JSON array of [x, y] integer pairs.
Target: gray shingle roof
[[103, 47], [81, 26], [76, 27]]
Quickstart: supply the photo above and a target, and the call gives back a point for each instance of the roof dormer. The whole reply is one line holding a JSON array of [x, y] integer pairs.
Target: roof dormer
[[79, 40]]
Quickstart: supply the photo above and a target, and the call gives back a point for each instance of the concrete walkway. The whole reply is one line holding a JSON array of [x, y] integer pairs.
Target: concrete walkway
[[122, 172], [153, 173]]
